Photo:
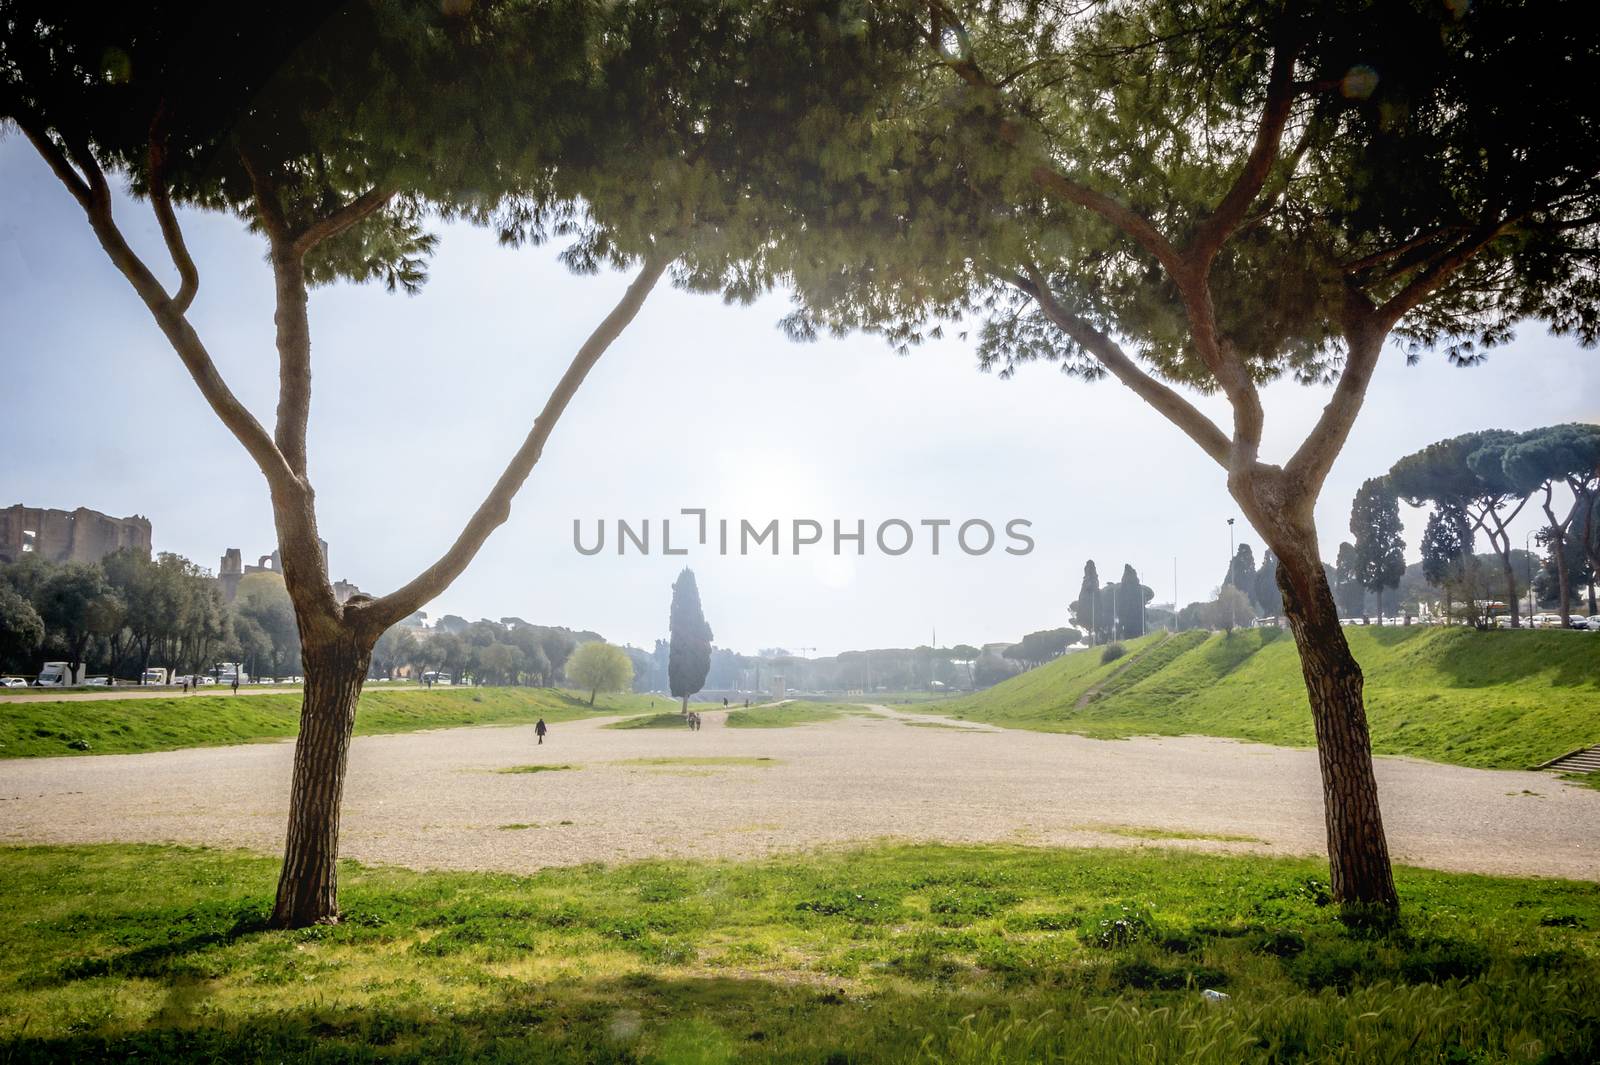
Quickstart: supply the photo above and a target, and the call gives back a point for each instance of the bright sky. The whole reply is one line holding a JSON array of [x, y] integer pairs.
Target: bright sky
[[420, 401]]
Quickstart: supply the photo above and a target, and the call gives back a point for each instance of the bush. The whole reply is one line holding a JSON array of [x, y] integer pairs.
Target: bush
[[1112, 652]]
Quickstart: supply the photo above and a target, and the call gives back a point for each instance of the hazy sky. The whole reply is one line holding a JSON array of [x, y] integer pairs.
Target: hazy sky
[[419, 401]]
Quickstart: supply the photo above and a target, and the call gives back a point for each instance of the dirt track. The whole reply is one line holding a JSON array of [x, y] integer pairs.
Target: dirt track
[[436, 800]]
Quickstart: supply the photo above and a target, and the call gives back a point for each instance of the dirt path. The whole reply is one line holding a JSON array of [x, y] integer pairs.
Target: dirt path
[[440, 800]]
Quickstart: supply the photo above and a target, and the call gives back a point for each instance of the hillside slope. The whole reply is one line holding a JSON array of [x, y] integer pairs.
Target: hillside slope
[[1504, 700]]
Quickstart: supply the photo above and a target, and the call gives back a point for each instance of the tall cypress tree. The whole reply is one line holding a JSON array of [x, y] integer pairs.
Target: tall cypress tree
[[1379, 550], [1085, 609], [1242, 570], [689, 657], [1130, 603]]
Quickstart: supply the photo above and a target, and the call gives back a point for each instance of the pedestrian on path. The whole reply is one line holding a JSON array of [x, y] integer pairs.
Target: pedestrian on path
[[540, 729]]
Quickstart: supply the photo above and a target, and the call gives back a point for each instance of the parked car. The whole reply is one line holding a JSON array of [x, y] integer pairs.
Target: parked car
[[98, 682], [13, 682]]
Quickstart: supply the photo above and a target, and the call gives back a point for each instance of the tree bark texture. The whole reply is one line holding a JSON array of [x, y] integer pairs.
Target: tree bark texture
[[1358, 851], [308, 889]]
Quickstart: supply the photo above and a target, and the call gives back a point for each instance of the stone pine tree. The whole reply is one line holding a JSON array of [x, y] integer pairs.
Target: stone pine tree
[[1380, 553], [1204, 197], [336, 134], [1560, 455], [1086, 608], [1130, 603], [1467, 473], [689, 656]]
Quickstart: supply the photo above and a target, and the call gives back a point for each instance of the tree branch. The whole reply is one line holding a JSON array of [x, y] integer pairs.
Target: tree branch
[[93, 193], [496, 507], [1312, 460], [1441, 269], [1215, 231], [161, 202], [1129, 221], [1174, 407], [343, 218], [1396, 251]]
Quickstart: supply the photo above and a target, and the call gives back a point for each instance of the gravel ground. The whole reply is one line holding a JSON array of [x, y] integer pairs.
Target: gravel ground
[[435, 799]]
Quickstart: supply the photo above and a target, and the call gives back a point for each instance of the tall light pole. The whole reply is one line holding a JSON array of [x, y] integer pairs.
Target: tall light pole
[[1526, 543]]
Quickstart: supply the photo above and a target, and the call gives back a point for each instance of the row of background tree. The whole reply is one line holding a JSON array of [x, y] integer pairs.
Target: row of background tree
[[1480, 482], [127, 613]]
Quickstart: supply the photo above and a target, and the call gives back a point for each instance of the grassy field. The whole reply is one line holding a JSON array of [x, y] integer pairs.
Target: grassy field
[[123, 726], [906, 698], [784, 715], [892, 954], [1505, 700]]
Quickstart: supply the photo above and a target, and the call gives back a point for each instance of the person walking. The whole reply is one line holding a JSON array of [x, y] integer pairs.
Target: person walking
[[540, 729], [236, 684]]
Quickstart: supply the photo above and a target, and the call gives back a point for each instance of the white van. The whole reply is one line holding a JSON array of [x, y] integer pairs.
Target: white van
[[60, 675]]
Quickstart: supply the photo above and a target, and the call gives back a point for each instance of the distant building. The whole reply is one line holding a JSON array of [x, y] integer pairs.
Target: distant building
[[232, 570], [81, 535]]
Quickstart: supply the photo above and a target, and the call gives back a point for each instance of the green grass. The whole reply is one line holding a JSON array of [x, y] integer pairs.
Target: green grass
[[1143, 832], [672, 720], [961, 955], [1504, 700], [123, 726], [693, 760], [535, 768], [905, 698], [786, 715]]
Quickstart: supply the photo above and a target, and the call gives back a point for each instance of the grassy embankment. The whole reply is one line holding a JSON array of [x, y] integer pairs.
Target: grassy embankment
[[889, 954], [1506, 700], [786, 715], [122, 726]]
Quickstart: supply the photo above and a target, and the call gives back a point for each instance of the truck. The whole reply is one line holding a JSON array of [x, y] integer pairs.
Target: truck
[[227, 671], [60, 675], [157, 675]]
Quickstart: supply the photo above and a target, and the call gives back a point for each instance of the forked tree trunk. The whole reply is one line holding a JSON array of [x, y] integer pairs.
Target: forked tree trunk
[[308, 887], [1358, 852]]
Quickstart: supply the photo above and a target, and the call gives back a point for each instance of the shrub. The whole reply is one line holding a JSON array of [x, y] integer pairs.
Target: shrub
[[1112, 652]]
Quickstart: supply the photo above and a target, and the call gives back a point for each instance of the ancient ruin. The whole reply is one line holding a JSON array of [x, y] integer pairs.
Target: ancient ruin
[[81, 535], [232, 570]]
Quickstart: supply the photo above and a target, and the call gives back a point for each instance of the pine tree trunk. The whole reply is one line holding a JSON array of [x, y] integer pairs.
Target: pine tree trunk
[[1558, 543], [1358, 852], [308, 888], [1561, 578], [1513, 601]]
